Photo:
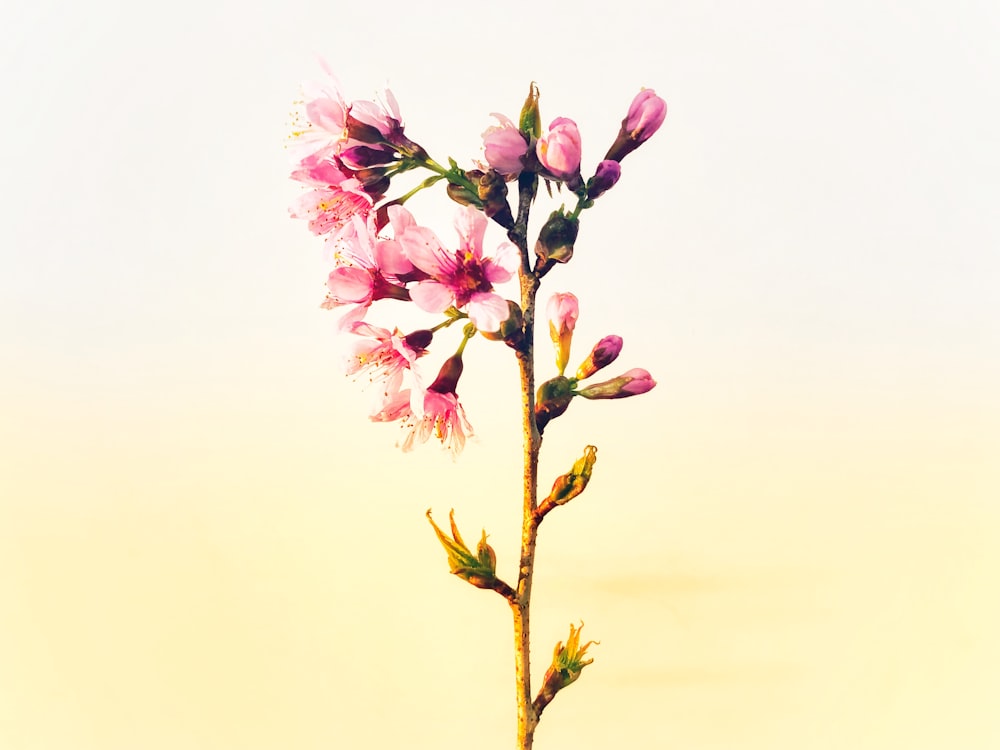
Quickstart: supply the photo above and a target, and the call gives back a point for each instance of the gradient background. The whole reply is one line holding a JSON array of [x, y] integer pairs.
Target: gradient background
[[791, 543]]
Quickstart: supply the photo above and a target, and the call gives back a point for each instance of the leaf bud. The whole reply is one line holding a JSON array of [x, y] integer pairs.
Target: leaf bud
[[530, 120]]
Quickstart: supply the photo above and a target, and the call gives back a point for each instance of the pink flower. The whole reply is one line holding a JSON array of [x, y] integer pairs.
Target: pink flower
[[320, 121], [373, 122], [329, 209], [563, 309], [463, 278], [645, 116], [399, 407], [368, 269], [445, 419], [632, 383], [383, 356], [559, 150], [337, 194], [504, 146], [423, 414]]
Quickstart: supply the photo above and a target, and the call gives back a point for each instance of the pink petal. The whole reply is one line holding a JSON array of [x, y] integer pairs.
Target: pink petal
[[433, 296], [424, 250], [349, 284], [488, 311], [389, 257], [503, 264], [471, 225]]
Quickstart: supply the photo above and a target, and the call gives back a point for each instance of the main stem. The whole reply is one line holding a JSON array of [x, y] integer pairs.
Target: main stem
[[527, 718]]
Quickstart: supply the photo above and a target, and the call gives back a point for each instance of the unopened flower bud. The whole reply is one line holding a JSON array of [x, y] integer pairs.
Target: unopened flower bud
[[559, 150], [607, 174], [447, 379], [603, 354], [361, 157], [510, 331], [645, 116], [632, 383], [563, 309], [552, 400], [530, 121], [556, 238]]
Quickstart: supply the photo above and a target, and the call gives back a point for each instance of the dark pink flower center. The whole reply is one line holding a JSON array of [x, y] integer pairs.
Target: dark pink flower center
[[468, 278]]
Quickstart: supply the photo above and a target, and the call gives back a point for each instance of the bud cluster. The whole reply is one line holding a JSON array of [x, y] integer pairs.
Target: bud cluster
[[555, 394]]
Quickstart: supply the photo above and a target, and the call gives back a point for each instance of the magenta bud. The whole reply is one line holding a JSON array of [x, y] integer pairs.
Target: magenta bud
[[603, 354], [607, 174], [361, 157], [632, 383]]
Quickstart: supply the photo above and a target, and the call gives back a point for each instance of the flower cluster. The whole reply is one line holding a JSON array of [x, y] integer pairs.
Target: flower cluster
[[347, 153], [405, 261]]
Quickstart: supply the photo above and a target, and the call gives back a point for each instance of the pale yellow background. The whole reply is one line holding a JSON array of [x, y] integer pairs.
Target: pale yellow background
[[792, 543]]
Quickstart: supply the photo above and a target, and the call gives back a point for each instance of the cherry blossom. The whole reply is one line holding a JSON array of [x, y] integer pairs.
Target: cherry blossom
[[368, 269], [504, 147], [383, 356], [463, 278]]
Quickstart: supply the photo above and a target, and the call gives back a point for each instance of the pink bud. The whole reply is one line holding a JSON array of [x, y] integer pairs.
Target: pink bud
[[603, 354], [645, 116], [632, 383], [563, 310], [503, 146], [559, 150]]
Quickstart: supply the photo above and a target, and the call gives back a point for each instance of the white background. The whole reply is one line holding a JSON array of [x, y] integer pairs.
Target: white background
[[790, 543]]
